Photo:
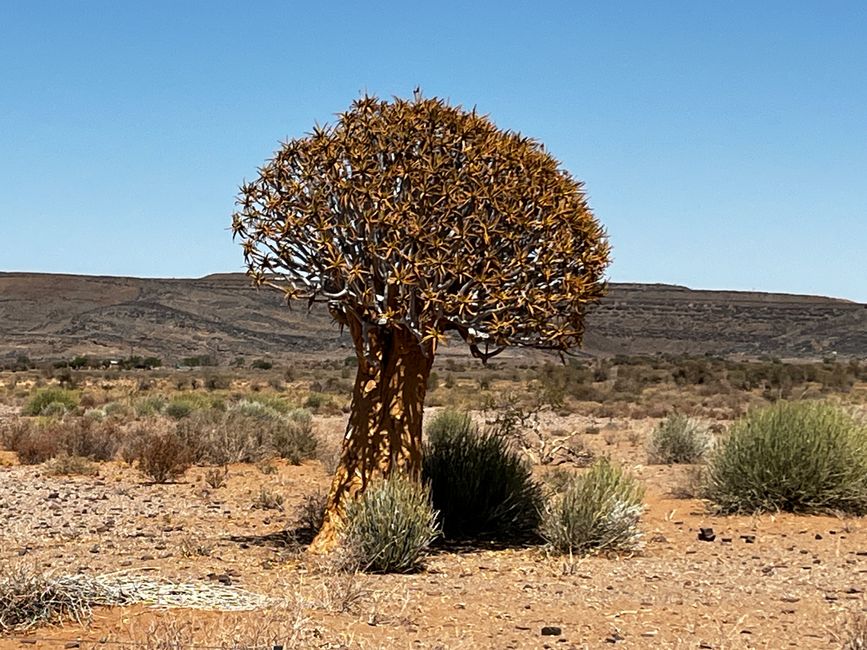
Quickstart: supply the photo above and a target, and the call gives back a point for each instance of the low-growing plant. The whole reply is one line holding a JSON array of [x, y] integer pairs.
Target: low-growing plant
[[64, 465], [35, 446], [390, 526], [267, 500], [802, 457], [163, 456], [480, 484], [216, 477], [149, 406], [310, 514], [178, 409], [45, 397], [29, 598], [86, 437], [217, 438], [294, 440], [678, 439], [598, 510]]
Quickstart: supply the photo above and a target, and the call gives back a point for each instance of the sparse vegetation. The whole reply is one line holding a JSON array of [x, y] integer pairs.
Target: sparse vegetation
[[389, 527], [598, 510], [792, 456]]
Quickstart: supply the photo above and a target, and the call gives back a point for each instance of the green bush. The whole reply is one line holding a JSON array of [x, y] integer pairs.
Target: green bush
[[597, 511], [678, 439], [178, 409], [390, 526], [479, 483], [49, 397], [793, 456], [149, 406]]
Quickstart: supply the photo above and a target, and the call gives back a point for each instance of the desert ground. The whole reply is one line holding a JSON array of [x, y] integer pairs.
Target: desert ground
[[218, 556]]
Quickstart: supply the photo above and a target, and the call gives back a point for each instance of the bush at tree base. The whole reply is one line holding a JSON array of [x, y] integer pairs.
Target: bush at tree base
[[479, 482], [390, 526]]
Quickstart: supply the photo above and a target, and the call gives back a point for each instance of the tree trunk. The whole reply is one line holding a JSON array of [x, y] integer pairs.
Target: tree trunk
[[385, 424]]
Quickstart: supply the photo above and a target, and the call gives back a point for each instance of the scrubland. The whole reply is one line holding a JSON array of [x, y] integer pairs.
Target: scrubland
[[173, 507]]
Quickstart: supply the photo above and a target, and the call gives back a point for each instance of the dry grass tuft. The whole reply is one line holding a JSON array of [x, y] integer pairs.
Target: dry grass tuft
[[29, 598]]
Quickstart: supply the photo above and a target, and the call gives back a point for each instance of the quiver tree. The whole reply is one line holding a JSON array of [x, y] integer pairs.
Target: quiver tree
[[412, 219]]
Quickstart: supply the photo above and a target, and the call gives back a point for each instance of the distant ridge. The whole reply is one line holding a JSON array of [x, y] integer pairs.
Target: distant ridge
[[50, 316]]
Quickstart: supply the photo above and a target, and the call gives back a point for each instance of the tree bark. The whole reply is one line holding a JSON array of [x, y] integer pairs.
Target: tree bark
[[385, 423]]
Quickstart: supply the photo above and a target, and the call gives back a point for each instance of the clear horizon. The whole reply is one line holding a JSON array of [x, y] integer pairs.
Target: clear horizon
[[721, 147]]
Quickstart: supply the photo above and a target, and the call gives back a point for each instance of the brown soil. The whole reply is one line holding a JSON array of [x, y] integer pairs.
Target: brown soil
[[764, 582]]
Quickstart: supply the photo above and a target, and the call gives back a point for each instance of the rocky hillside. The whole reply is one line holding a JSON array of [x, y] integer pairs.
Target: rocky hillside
[[57, 316]]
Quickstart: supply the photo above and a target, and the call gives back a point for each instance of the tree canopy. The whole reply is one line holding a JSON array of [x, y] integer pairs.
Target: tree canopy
[[419, 215]]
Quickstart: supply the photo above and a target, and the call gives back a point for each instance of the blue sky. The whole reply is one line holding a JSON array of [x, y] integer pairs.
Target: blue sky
[[723, 145]]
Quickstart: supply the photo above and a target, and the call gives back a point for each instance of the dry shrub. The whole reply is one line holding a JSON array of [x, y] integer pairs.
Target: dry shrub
[[35, 446], [163, 456], [294, 440], [64, 465], [216, 477], [280, 626], [248, 433], [87, 437], [12, 431], [309, 516], [267, 500], [29, 598], [218, 438]]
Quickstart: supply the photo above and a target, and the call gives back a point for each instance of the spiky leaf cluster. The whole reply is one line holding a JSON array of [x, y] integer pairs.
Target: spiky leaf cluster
[[417, 214]]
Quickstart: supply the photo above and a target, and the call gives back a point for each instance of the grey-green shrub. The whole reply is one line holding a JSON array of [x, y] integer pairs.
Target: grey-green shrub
[[479, 482], [598, 510], [793, 456], [678, 439], [294, 440], [390, 526], [52, 399], [449, 423], [247, 434]]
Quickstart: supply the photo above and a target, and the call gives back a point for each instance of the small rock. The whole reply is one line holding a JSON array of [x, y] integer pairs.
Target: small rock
[[72, 644], [706, 535], [817, 536], [749, 539], [551, 630]]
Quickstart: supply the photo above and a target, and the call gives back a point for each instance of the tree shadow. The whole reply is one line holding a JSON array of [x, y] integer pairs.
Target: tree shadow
[[288, 538], [476, 544]]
